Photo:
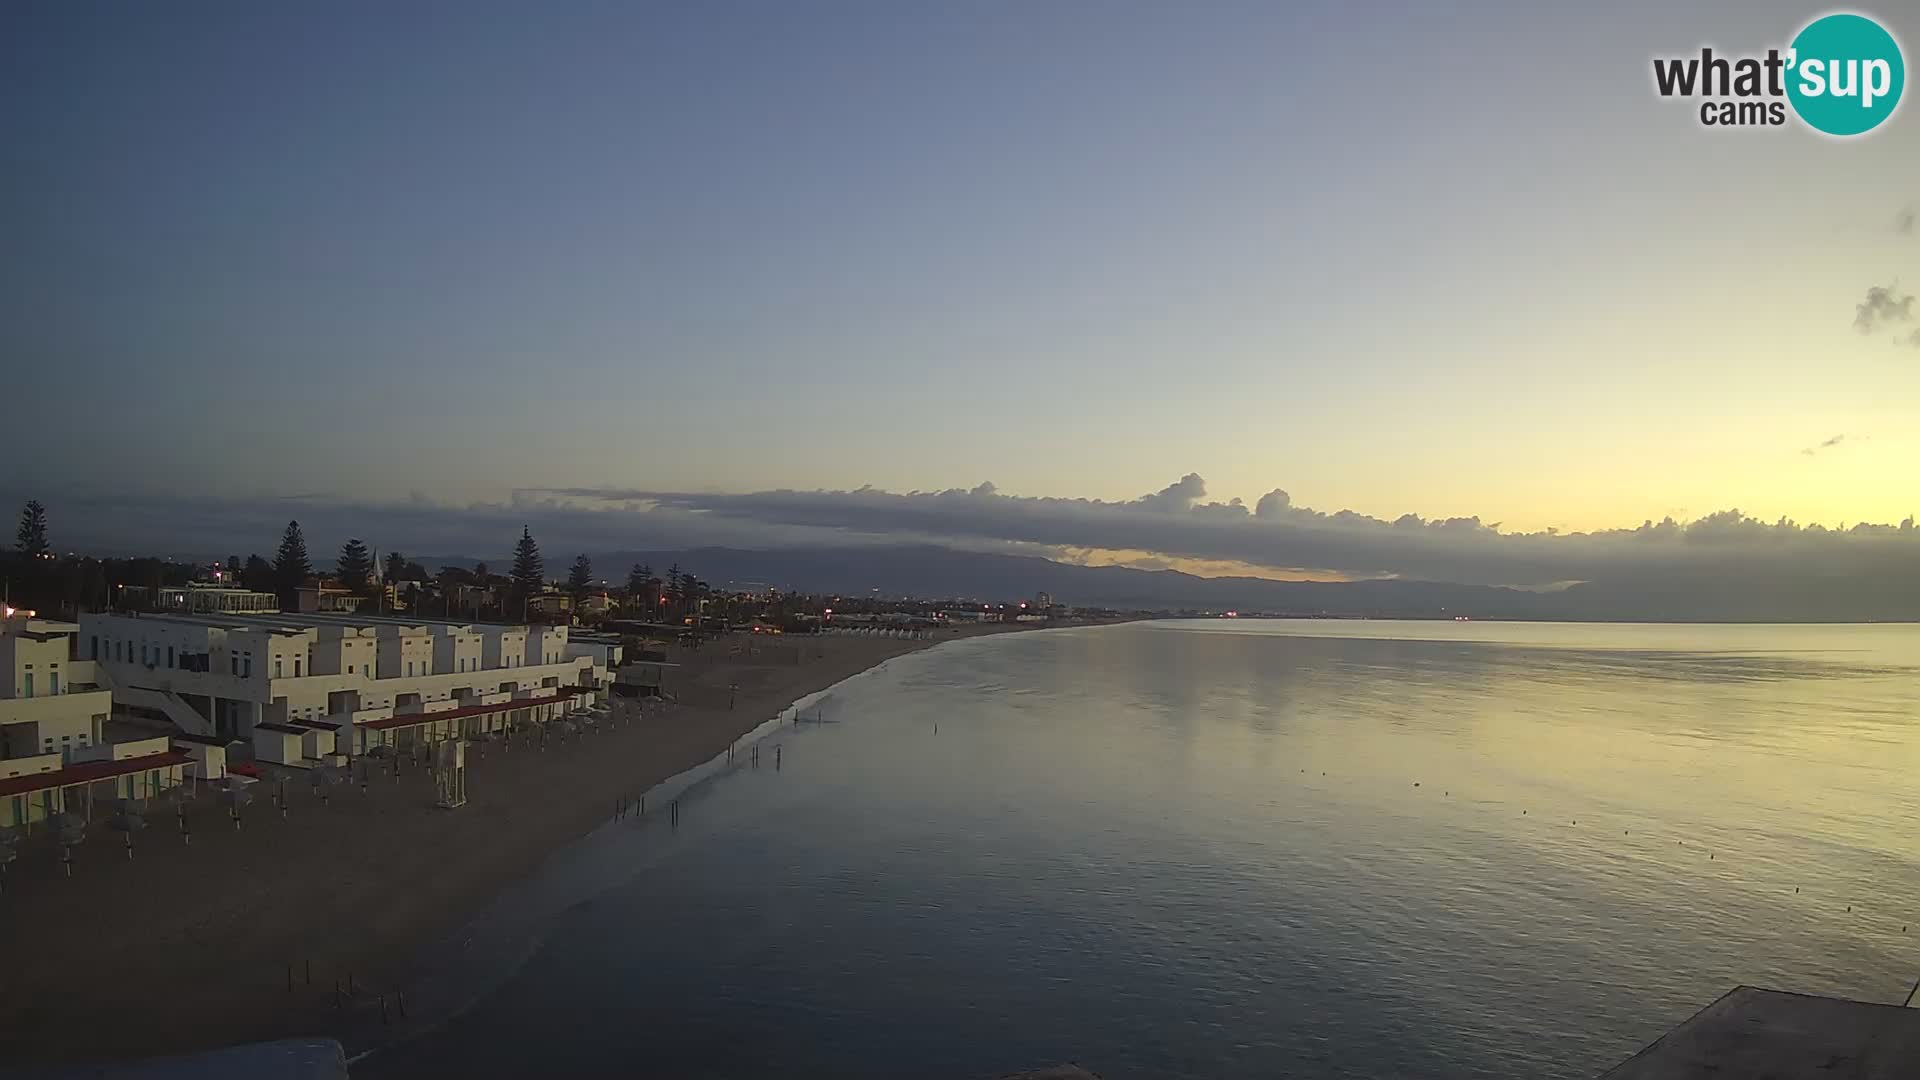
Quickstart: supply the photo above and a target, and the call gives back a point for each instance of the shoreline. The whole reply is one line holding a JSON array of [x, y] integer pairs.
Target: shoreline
[[230, 936], [476, 957]]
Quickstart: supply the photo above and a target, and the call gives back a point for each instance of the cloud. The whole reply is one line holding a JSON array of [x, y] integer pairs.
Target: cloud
[[1282, 535], [1175, 497], [1905, 220], [1882, 306], [1827, 445], [1173, 526]]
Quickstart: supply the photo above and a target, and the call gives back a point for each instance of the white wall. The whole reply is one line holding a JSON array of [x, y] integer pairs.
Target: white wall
[[31, 664], [503, 647], [546, 644], [457, 650], [282, 747]]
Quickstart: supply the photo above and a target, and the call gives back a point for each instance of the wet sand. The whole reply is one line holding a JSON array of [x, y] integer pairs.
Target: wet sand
[[189, 945]]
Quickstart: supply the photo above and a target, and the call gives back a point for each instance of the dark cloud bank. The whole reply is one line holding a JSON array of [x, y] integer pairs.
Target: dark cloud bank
[[1724, 565]]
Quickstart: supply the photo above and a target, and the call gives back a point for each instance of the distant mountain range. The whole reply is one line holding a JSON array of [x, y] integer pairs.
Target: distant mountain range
[[933, 571]]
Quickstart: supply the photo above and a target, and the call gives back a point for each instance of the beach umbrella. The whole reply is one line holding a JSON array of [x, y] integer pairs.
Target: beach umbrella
[[70, 831], [323, 780], [234, 797], [127, 821]]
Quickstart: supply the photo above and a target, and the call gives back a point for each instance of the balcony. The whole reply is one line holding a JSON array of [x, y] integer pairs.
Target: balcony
[[55, 707]]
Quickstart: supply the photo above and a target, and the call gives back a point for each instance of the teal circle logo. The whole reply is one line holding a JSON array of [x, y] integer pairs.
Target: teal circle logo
[[1845, 74]]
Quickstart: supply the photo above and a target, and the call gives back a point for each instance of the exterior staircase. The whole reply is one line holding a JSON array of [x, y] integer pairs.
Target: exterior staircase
[[168, 704]]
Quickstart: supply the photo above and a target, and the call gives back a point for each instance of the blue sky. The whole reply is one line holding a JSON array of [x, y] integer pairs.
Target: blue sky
[[1388, 257]]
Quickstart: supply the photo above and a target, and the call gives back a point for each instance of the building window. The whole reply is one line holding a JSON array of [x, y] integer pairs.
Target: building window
[[169, 656], [29, 692], [276, 667], [93, 647], [296, 667]]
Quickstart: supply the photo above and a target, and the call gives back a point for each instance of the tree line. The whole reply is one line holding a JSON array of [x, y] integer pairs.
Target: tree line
[[35, 578]]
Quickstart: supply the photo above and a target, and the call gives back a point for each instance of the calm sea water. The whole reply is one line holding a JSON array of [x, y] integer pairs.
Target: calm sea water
[[1236, 849]]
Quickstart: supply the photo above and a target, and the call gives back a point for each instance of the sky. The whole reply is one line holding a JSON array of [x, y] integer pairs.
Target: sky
[[670, 261]]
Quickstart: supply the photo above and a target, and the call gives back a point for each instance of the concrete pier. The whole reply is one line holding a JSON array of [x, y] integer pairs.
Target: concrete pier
[[1752, 1033]]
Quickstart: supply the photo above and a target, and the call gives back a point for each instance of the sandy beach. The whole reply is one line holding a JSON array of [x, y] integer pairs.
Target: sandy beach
[[190, 945]]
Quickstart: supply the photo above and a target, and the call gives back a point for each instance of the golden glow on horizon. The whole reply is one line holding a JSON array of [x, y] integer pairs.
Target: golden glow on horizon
[[1147, 560]]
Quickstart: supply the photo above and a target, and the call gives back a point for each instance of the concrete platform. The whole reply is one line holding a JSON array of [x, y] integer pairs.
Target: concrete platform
[[1755, 1034]]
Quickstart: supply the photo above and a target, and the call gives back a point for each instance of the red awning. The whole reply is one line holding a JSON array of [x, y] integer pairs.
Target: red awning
[[88, 772], [418, 719]]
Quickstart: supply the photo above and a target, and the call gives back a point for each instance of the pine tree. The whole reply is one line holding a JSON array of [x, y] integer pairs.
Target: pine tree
[[581, 576], [481, 574], [637, 582], [396, 565], [290, 566], [673, 586], [529, 573], [233, 569], [356, 567], [32, 537]]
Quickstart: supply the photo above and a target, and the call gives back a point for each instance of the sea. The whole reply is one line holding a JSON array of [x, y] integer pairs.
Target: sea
[[1238, 848]]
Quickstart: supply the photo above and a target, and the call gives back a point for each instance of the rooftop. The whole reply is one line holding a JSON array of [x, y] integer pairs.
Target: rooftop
[[87, 772], [1769, 1034], [406, 720]]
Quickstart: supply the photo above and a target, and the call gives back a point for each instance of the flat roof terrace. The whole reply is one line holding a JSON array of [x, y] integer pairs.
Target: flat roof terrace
[[1751, 1034]]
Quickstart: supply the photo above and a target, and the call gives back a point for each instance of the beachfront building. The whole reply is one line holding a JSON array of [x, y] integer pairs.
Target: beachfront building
[[202, 599], [364, 680], [51, 702], [35, 788], [324, 597]]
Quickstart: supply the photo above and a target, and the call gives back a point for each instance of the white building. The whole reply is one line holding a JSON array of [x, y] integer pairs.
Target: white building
[[50, 702], [225, 675], [203, 599], [35, 788]]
